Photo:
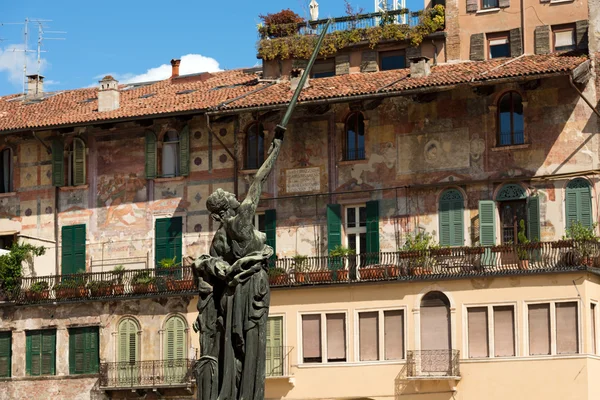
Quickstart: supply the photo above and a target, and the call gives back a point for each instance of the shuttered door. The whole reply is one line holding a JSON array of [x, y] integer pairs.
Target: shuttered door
[[128, 352], [372, 232], [334, 231], [578, 203], [5, 354], [150, 155], [271, 229], [274, 361], [487, 228], [168, 240], [451, 211], [83, 350], [40, 352], [175, 349], [78, 162], [73, 249]]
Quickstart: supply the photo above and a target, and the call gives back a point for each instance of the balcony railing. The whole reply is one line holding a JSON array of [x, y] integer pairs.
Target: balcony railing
[[442, 263], [101, 285], [146, 374], [362, 21], [432, 364], [278, 361]]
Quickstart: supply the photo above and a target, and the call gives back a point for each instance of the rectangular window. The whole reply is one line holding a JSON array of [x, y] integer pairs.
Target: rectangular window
[[336, 337], [553, 328], [275, 352], [73, 249], [356, 228], [324, 333], [6, 171], [564, 38], [567, 335], [311, 338], [368, 328], [539, 329], [40, 352], [5, 354], [323, 69], [393, 330], [487, 4], [593, 326], [381, 335], [259, 222], [392, 60], [491, 331], [83, 350], [498, 44]]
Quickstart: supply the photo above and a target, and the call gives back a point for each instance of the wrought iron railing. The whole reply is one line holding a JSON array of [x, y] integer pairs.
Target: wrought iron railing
[[432, 363], [146, 374], [542, 257], [100, 285], [277, 361], [348, 23]]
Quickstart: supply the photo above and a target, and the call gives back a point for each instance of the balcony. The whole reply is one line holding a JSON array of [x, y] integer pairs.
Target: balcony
[[456, 262], [432, 364], [277, 364], [104, 285], [142, 376]]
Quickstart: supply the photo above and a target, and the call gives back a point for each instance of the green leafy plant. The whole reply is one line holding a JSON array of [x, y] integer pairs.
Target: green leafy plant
[[99, 284], [300, 262], [275, 272], [39, 286], [421, 241], [11, 264], [118, 273], [142, 278], [341, 251], [522, 253], [168, 263], [584, 236], [282, 23]]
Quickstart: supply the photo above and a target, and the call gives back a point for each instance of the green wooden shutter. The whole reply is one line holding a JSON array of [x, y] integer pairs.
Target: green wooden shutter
[[32, 356], [161, 239], [444, 212], [58, 163], [578, 203], [128, 341], [73, 249], [451, 212], [170, 340], [83, 350], [175, 343], [487, 222], [334, 226], [372, 232], [150, 155], [271, 229], [79, 247], [175, 239], [184, 151], [534, 230], [48, 352], [5, 354], [78, 162], [274, 359], [93, 349]]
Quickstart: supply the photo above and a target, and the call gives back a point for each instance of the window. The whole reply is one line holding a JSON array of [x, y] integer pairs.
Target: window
[[40, 352], [564, 38], [578, 203], [168, 242], [491, 331], [83, 350], [259, 222], [392, 60], [128, 341], [487, 4], [77, 163], [381, 335], [330, 341], [255, 151], [356, 228], [5, 354], [593, 320], [564, 338], [6, 241], [355, 137], [267, 223], [175, 346], [451, 214], [498, 45], [323, 69], [73, 249], [510, 120], [6, 171], [275, 355], [170, 154]]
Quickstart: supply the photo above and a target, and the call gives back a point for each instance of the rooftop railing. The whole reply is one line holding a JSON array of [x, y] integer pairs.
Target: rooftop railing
[[146, 374]]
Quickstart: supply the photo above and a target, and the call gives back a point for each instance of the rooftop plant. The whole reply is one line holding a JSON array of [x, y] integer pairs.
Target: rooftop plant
[[282, 23], [290, 44]]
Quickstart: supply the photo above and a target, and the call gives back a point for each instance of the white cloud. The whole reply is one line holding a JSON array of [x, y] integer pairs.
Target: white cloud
[[11, 62], [190, 64]]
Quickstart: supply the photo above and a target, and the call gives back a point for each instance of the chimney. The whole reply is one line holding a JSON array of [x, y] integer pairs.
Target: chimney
[[419, 67], [35, 85], [175, 68], [108, 94]]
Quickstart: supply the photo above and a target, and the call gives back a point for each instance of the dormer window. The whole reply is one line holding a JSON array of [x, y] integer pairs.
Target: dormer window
[[392, 60], [498, 45], [564, 38], [323, 69]]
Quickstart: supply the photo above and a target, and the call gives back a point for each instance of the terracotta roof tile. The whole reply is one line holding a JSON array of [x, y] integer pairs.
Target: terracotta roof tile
[[207, 91]]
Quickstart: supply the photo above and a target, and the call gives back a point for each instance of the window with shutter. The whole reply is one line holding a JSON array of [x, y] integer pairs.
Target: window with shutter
[[534, 230], [6, 170], [255, 150], [336, 337], [150, 155], [184, 151], [393, 329], [334, 226], [274, 359], [83, 350], [175, 342], [355, 137], [128, 341], [487, 222], [504, 331], [311, 338], [168, 241], [77, 163], [478, 332], [372, 210], [539, 329], [5, 354], [170, 155], [271, 229], [58, 163], [567, 334], [73, 249], [40, 352], [451, 214], [578, 203]]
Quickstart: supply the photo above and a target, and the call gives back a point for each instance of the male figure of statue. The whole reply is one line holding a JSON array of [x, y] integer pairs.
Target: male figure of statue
[[234, 296]]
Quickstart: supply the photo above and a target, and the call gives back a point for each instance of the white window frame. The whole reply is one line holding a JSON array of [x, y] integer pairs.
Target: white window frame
[[595, 321], [177, 161], [490, 329], [381, 336], [324, 361], [257, 215], [552, 303], [357, 230]]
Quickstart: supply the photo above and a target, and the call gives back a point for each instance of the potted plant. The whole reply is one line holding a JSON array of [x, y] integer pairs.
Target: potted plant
[[142, 282], [100, 288], [585, 241], [337, 257], [118, 286], [72, 286], [277, 276], [417, 248], [522, 249], [166, 274], [38, 291], [300, 265]]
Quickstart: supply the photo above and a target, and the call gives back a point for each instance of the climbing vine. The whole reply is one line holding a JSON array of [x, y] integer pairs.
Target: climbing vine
[[298, 46], [11, 264]]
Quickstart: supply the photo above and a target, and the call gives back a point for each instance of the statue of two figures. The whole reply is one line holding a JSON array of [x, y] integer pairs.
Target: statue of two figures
[[234, 295]]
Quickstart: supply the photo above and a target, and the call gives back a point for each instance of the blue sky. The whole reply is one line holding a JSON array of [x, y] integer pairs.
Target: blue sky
[[135, 40]]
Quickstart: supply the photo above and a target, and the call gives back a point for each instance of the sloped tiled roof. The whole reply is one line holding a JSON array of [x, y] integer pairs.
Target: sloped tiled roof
[[236, 89]]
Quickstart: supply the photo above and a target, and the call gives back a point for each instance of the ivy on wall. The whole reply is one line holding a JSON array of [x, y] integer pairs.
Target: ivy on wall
[[301, 46]]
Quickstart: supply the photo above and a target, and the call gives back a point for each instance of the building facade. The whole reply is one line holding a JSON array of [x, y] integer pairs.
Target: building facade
[[478, 145]]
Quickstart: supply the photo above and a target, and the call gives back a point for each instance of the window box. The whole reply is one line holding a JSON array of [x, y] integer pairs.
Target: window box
[[341, 274], [141, 288], [562, 244], [372, 273], [474, 250], [319, 276], [71, 293], [421, 271], [441, 252], [300, 277]]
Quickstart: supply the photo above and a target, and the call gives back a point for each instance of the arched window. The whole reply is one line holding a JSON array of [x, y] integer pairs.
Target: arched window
[[77, 163], [6, 171], [128, 352], [510, 119], [175, 339], [255, 150], [578, 203], [435, 332], [354, 147], [170, 154], [451, 212]]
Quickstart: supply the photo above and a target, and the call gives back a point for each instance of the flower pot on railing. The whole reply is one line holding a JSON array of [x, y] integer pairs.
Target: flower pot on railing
[[421, 271], [562, 244], [70, 292], [372, 273], [277, 276], [392, 271], [118, 289], [319, 276], [141, 288], [100, 288], [502, 249], [441, 252], [474, 250], [38, 291], [341, 274], [523, 264], [143, 282], [185, 284]]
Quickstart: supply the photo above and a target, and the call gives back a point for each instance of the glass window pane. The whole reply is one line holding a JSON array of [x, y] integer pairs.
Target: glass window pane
[[393, 62], [351, 217], [499, 50], [362, 211], [564, 40], [170, 164], [352, 241], [363, 243], [489, 4]]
